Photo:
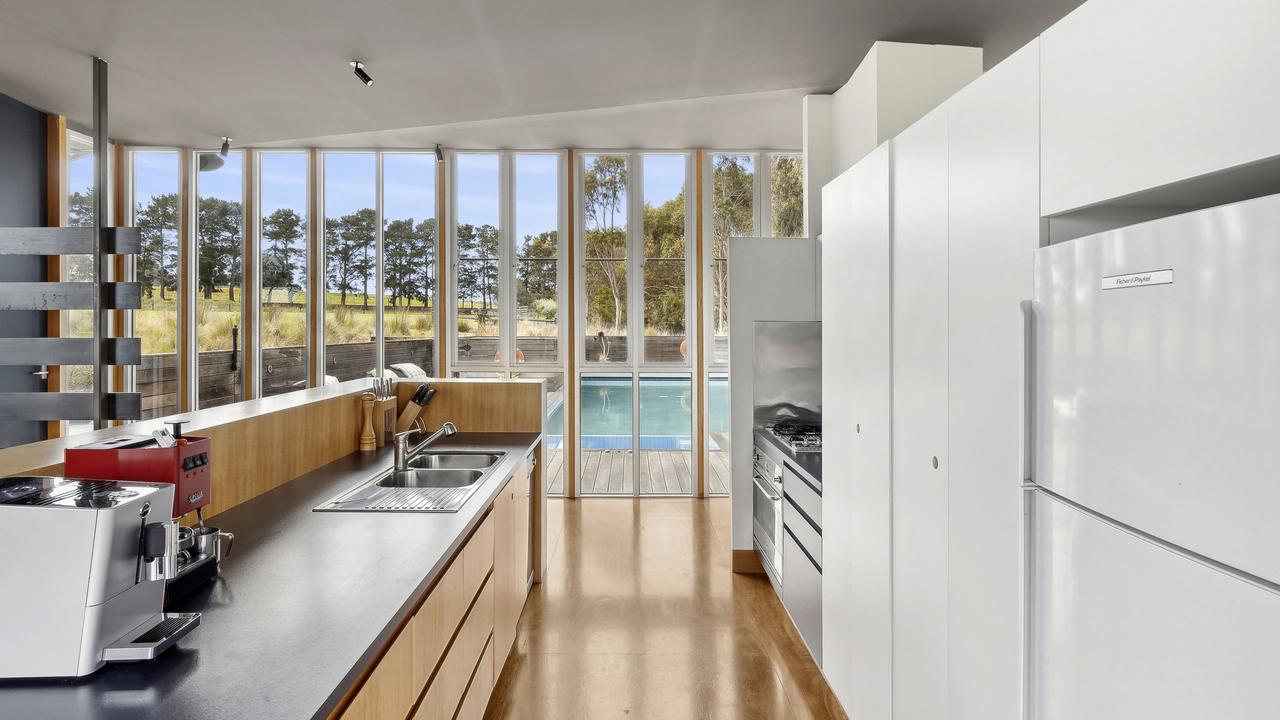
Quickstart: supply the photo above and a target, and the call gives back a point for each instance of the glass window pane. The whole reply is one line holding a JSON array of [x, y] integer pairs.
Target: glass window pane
[[477, 308], [219, 277], [606, 449], [719, 313], [79, 268], [605, 180], [666, 435], [553, 451], [282, 202], [718, 449], [786, 195], [537, 313], [732, 215], [350, 312], [665, 286], [155, 212], [409, 262], [605, 282], [537, 221]]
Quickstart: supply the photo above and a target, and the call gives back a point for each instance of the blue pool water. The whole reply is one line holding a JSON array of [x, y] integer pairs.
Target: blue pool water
[[666, 413]]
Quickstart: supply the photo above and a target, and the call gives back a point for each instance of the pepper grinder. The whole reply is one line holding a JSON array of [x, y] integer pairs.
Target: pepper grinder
[[368, 441]]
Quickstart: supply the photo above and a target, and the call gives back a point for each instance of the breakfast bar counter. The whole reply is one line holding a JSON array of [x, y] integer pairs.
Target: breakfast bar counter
[[305, 603]]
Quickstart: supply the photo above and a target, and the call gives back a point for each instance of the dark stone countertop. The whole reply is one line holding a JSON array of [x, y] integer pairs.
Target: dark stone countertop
[[305, 601], [808, 464]]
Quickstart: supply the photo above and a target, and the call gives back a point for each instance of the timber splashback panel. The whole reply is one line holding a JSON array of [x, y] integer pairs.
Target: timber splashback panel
[[253, 455], [256, 453], [478, 405]]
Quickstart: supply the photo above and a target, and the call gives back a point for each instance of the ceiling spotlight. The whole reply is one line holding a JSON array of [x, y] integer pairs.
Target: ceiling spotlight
[[360, 73], [439, 154], [210, 162]]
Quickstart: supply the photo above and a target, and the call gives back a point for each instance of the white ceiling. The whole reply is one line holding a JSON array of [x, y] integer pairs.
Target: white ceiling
[[472, 73]]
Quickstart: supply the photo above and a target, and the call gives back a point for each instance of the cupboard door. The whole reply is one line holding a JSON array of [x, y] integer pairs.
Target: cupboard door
[[995, 230], [511, 560], [920, 462], [1142, 93], [856, 587], [520, 541], [504, 630], [802, 591]]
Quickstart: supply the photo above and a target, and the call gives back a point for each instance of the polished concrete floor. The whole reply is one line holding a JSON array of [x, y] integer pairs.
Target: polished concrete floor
[[641, 617]]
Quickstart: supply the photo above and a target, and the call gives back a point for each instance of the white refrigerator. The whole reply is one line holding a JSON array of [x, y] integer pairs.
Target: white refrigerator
[[1153, 501]]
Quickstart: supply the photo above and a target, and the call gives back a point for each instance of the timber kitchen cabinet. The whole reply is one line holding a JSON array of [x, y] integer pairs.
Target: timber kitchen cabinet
[[511, 560], [446, 659]]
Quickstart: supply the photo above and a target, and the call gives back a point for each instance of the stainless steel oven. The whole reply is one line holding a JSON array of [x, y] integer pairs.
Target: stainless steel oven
[[766, 507]]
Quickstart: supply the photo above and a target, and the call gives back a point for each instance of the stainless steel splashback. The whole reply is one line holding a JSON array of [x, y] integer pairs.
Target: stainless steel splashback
[[787, 372]]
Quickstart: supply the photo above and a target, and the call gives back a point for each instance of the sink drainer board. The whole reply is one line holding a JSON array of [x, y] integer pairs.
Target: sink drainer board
[[435, 482], [440, 499], [370, 497]]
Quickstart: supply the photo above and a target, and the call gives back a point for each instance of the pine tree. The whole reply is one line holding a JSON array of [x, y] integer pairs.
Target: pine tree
[[283, 239]]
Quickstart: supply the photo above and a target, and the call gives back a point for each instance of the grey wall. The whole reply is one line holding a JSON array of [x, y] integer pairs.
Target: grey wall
[[22, 204]]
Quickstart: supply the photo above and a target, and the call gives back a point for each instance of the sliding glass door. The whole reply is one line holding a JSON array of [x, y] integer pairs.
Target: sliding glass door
[[636, 395]]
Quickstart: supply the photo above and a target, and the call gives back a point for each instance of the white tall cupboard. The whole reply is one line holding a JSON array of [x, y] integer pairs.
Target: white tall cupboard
[[1142, 93], [995, 228], [926, 332], [856, 376], [920, 462]]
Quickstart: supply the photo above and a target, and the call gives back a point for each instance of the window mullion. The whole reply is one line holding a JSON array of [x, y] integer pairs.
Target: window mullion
[[635, 260], [763, 221], [506, 261], [379, 349]]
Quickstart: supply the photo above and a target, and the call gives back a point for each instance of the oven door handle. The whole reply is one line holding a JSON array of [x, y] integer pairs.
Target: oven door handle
[[757, 479]]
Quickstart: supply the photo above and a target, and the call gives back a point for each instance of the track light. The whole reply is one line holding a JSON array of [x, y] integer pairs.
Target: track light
[[210, 162], [439, 154], [360, 73]]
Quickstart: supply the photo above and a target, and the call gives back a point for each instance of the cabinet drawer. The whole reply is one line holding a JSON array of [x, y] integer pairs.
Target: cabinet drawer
[[450, 682], [390, 691], [804, 532], [802, 494], [802, 594], [482, 680], [440, 615]]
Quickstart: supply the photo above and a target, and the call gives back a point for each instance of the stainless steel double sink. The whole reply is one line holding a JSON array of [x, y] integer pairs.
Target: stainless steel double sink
[[435, 481]]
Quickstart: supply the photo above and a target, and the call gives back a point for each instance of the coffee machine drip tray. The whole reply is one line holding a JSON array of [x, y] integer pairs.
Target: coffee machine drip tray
[[152, 638]]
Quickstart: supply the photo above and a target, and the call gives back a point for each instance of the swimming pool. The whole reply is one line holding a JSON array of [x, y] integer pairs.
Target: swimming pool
[[666, 413]]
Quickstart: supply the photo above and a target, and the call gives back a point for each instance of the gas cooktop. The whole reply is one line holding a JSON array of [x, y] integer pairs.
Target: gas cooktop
[[799, 436]]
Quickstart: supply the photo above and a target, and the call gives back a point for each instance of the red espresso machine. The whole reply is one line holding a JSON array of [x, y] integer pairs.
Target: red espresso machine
[[183, 464]]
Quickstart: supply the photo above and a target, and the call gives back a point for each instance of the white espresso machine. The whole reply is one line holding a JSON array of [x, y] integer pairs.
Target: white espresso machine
[[84, 564]]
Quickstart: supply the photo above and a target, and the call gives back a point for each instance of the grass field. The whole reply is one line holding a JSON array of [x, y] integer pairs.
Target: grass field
[[284, 324]]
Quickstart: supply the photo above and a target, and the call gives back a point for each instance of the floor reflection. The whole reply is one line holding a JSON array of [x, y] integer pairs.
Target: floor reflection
[[641, 617]]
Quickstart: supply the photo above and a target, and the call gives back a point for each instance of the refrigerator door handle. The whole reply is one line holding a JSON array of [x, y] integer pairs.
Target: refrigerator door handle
[[1028, 391]]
